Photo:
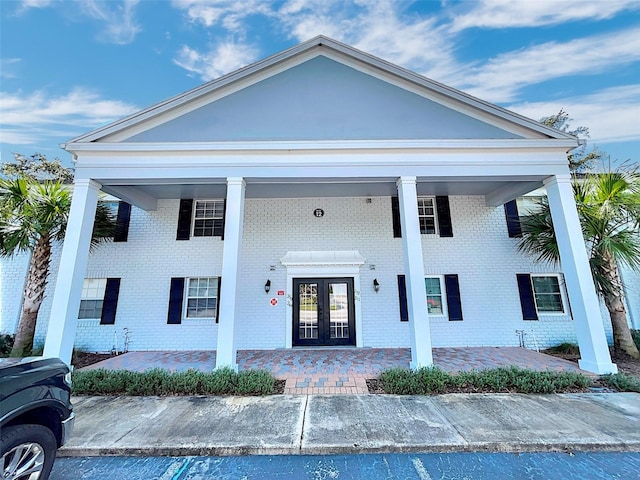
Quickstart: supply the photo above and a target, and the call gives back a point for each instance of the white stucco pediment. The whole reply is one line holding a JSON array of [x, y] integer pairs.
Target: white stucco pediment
[[322, 259]]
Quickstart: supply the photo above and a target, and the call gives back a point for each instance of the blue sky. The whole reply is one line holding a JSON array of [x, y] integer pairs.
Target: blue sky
[[68, 67]]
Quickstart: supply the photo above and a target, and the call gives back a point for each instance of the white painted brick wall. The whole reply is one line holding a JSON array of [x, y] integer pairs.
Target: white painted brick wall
[[481, 253]]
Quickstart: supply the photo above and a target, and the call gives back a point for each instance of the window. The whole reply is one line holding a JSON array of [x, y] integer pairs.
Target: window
[[202, 297], [92, 298], [208, 218], [528, 205], [427, 214], [434, 289], [547, 293]]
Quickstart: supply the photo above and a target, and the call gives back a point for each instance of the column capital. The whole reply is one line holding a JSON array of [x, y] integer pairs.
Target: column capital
[[406, 180], [555, 179], [87, 182], [236, 181]]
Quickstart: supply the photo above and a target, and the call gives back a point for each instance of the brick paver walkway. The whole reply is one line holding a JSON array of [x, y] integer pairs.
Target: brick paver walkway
[[337, 370]]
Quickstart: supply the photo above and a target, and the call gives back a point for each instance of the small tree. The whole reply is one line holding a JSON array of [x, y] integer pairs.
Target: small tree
[[33, 214], [579, 159], [609, 209]]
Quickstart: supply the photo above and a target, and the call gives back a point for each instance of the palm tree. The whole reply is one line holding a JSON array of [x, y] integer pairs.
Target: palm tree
[[33, 215], [609, 209]]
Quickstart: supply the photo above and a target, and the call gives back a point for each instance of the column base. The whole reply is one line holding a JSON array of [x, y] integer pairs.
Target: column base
[[599, 368], [234, 367], [417, 365]]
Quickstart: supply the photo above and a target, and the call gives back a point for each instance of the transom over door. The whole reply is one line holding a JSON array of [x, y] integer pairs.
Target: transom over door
[[323, 311]]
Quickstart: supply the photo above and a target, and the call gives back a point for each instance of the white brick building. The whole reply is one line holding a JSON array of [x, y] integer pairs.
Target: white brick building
[[366, 199]]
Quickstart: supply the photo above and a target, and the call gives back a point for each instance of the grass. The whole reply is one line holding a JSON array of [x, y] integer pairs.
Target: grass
[[162, 382], [430, 381]]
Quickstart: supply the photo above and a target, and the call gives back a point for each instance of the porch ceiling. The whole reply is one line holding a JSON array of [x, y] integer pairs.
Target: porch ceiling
[[496, 190]]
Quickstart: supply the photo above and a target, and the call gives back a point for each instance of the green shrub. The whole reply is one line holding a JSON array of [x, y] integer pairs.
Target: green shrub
[[6, 344], [636, 337], [622, 382], [162, 382], [433, 380]]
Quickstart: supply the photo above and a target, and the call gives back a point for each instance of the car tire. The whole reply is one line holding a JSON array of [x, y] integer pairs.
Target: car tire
[[28, 452]]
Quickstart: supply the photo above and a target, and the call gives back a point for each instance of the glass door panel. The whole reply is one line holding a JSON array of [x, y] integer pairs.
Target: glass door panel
[[323, 311], [338, 311], [308, 310]]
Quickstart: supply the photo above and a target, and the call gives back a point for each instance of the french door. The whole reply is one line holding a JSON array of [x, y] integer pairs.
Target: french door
[[323, 311]]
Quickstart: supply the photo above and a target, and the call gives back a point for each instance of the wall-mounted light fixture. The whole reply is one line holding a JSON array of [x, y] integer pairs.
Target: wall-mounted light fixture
[[267, 286], [376, 285]]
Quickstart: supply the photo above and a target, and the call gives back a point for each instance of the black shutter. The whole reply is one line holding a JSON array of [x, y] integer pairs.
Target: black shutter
[[122, 222], [184, 219], [110, 303], [402, 298], [444, 216], [513, 219], [527, 300], [395, 215], [454, 305], [224, 218], [175, 301], [218, 300]]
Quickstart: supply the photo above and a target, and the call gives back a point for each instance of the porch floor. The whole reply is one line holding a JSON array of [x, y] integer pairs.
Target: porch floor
[[336, 370]]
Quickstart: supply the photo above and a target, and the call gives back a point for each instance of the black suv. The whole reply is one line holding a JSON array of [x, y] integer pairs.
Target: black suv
[[36, 416]]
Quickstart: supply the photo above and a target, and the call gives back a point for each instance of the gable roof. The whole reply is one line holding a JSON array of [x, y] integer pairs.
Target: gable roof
[[317, 46]]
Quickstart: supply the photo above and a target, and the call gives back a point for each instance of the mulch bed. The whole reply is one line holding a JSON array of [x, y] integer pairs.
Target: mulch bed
[[625, 363], [84, 359]]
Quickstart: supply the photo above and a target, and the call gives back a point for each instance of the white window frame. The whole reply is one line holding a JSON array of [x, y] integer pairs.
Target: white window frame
[[443, 294], [561, 288], [185, 313], [93, 292], [528, 204], [195, 209], [435, 215]]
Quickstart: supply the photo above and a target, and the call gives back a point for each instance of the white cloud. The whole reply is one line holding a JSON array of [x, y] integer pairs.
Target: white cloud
[[531, 13], [501, 78], [120, 26], [225, 57], [28, 4], [610, 114], [7, 67], [27, 119], [228, 13], [382, 28]]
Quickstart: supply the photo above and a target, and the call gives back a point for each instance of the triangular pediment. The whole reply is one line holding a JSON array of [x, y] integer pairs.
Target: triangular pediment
[[320, 91], [321, 99]]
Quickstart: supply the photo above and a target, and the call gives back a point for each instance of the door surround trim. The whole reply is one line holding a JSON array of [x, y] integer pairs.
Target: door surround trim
[[322, 264]]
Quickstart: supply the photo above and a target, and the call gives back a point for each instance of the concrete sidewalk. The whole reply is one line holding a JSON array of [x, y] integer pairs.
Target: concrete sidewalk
[[320, 424]]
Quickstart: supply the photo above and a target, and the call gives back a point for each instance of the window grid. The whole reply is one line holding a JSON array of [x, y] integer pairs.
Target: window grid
[[92, 298], [433, 287], [308, 315], [338, 311], [547, 293], [202, 297], [427, 214], [208, 218]]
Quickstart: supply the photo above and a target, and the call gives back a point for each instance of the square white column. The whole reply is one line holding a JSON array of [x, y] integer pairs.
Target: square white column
[[594, 351], [233, 224], [420, 333], [63, 319]]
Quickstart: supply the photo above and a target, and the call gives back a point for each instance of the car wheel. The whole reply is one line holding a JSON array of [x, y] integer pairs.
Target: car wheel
[[28, 452]]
